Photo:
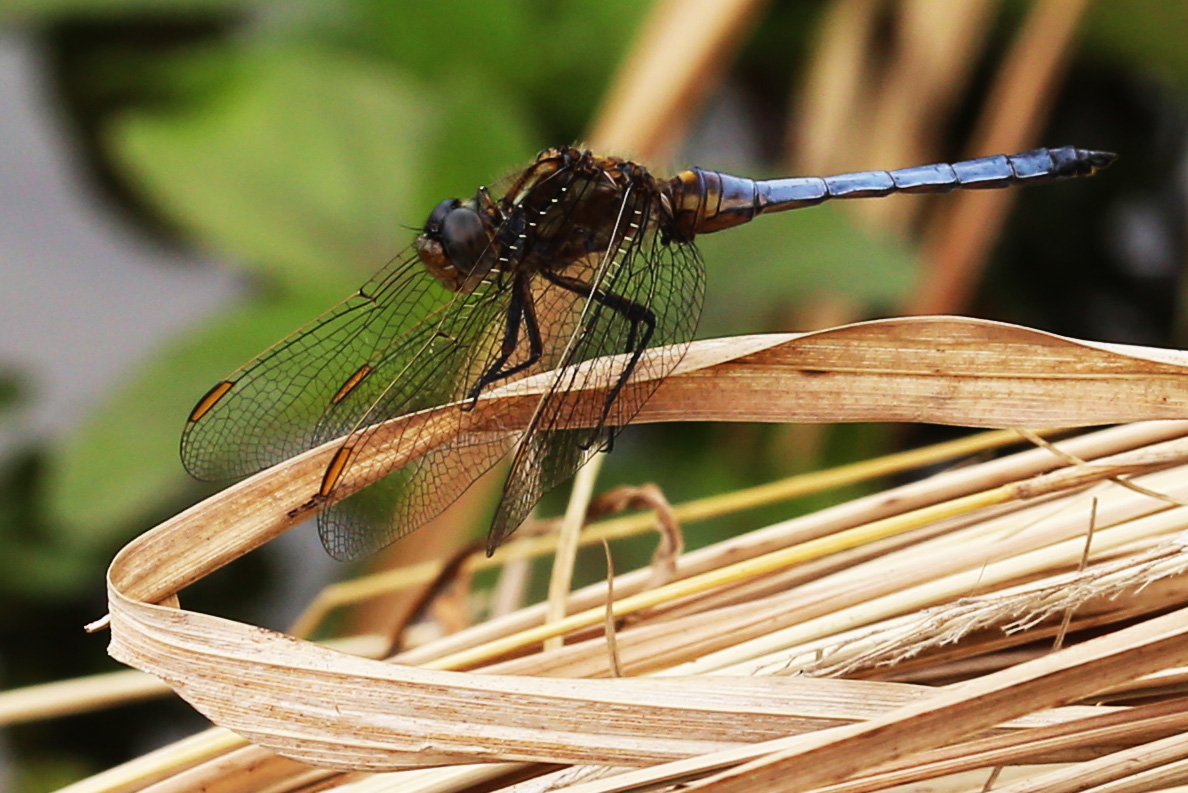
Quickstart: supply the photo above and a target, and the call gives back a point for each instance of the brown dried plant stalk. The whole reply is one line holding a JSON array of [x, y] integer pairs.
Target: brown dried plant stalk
[[933, 569]]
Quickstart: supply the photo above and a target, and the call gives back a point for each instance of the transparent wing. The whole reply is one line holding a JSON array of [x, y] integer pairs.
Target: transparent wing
[[439, 371], [401, 344], [645, 292], [271, 408], [466, 343]]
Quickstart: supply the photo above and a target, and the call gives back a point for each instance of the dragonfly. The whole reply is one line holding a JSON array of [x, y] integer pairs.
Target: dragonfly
[[578, 258]]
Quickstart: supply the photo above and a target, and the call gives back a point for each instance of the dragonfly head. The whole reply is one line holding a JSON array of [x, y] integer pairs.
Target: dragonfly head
[[452, 245]]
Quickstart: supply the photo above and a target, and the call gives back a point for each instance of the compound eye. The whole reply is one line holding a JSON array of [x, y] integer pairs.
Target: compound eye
[[463, 237], [438, 215]]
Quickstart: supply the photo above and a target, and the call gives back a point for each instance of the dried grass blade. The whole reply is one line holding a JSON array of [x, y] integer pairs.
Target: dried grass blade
[[947, 370], [325, 707], [1076, 672], [946, 485], [808, 762], [1169, 756]]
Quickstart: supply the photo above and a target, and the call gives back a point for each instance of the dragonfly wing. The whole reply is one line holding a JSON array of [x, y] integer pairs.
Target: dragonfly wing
[[402, 343], [409, 496], [647, 293], [432, 366], [268, 410]]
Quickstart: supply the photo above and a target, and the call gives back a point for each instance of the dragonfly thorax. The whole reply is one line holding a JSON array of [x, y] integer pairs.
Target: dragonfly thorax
[[455, 244]]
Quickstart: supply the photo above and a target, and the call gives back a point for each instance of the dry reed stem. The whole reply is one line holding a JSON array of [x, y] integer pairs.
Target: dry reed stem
[[1073, 477], [91, 693], [679, 57], [567, 544], [946, 485], [1066, 741], [343, 594], [1171, 752], [165, 763], [316, 705], [944, 370], [1017, 608], [95, 692], [1086, 446], [1094, 732], [805, 762], [66, 697]]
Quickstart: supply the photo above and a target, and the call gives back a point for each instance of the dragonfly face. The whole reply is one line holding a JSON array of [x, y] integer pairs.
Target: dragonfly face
[[580, 259], [455, 244]]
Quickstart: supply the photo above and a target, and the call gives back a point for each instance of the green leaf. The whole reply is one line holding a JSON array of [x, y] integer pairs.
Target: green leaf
[[537, 54], [461, 160], [432, 39], [303, 163]]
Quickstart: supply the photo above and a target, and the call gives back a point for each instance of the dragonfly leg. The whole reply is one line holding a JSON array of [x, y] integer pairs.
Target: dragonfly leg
[[637, 315], [521, 310]]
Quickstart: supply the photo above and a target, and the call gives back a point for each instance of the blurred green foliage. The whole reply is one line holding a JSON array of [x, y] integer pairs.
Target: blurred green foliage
[[12, 389], [1142, 35]]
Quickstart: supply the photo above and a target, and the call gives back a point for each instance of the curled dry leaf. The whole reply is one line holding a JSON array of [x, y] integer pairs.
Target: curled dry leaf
[[324, 707]]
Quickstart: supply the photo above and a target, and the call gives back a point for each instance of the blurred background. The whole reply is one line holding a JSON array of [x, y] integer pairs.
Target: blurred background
[[182, 182]]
